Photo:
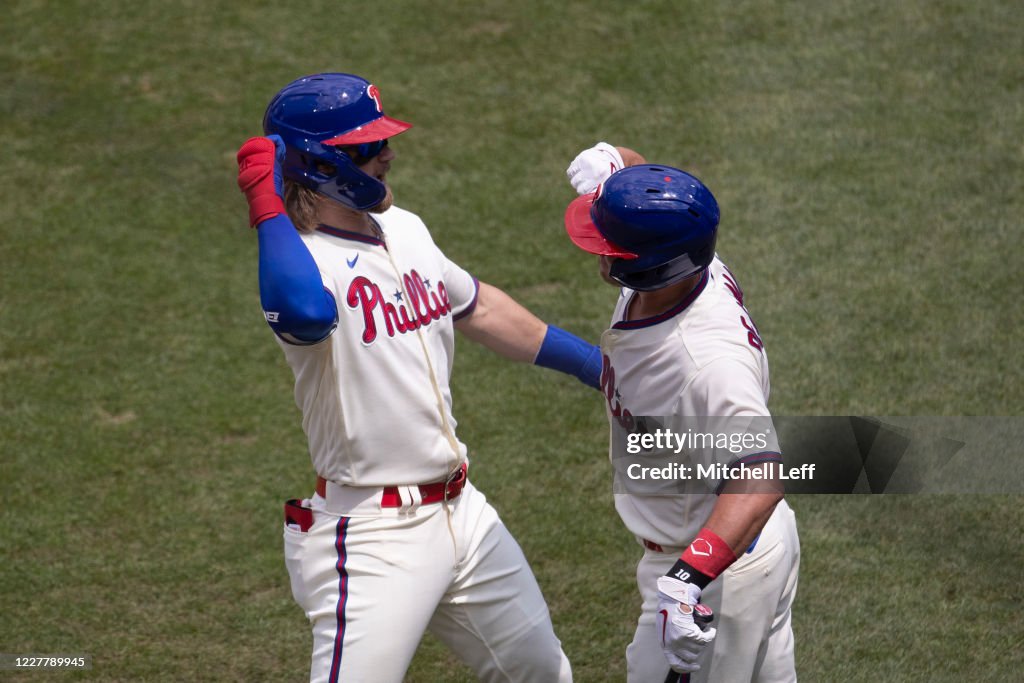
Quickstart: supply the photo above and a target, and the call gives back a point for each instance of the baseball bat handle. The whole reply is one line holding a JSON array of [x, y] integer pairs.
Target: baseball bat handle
[[702, 616]]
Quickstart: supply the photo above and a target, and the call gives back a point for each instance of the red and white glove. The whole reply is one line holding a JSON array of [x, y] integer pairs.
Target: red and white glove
[[682, 639], [591, 167], [260, 178]]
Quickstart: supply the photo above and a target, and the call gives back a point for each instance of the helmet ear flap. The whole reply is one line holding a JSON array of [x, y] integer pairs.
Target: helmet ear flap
[[668, 273], [307, 163], [304, 164]]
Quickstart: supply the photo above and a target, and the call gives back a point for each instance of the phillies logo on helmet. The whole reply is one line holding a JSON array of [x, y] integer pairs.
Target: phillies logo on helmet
[[701, 546], [375, 96]]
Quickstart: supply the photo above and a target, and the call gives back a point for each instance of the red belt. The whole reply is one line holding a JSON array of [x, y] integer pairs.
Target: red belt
[[651, 545], [430, 493]]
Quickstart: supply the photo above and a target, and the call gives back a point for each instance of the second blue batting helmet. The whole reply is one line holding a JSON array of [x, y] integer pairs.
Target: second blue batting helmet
[[315, 115], [658, 223]]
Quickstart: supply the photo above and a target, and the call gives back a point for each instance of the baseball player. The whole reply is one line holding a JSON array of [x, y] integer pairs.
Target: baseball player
[[681, 346], [395, 539]]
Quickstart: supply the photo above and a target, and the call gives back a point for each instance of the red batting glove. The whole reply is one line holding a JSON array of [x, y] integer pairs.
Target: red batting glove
[[256, 178]]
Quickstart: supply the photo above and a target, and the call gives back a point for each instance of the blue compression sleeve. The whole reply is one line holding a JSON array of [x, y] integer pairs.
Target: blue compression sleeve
[[296, 304], [567, 353]]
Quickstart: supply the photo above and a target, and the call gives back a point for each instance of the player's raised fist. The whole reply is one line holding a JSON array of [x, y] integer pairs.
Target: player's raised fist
[[592, 166], [260, 178]]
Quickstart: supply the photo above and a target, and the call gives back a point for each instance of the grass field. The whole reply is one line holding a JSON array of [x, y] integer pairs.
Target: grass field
[[869, 162]]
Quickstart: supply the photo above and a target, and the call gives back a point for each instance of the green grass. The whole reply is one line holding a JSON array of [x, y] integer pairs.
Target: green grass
[[868, 160]]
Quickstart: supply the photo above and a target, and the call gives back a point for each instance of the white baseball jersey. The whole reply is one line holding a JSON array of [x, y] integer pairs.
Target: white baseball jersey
[[704, 357], [375, 399], [701, 358], [376, 408]]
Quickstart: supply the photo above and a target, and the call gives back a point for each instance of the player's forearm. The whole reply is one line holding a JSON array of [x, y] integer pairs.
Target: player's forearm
[[738, 518], [503, 325], [506, 327], [740, 512], [292, 294], [630, 157]]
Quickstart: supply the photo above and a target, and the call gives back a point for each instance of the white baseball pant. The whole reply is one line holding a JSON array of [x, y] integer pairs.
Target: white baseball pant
[[374, 580], [752, 600]]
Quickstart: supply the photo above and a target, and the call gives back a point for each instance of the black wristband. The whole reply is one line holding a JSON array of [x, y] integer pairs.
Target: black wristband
[[685, 572]]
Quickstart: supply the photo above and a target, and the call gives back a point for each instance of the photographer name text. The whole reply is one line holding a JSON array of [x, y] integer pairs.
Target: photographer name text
[[719, 472]]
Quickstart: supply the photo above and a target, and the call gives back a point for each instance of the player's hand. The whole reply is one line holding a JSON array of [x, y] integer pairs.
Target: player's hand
[[260, 177], [591, 167], [682, 638]]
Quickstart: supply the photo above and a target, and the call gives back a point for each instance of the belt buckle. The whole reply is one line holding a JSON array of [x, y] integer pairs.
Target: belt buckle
[[454, 483]]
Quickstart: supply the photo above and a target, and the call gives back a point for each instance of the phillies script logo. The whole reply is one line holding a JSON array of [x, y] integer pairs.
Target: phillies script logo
[[422, 308], [611, 394]]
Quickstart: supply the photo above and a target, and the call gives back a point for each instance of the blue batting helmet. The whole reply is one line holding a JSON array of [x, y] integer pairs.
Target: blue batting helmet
[[316, 114], [658, 223]]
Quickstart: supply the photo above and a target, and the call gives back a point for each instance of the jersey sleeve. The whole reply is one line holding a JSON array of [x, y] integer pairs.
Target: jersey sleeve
[[725, 404], [462, 288]]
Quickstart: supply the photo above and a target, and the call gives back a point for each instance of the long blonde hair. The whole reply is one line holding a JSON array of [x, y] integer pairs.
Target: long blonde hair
[[301, 204]]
